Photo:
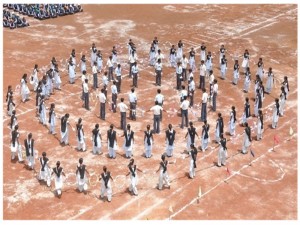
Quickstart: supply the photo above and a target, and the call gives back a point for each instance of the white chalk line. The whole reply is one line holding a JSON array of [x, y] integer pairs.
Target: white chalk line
[[254, 30]]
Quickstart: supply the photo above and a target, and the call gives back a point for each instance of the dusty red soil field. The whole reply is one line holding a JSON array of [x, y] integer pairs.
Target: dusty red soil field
[[265, 190]]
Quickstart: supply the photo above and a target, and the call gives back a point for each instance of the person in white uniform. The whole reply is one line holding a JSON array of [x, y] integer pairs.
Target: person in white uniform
[[223, 67], [282, 101], [71, 70], [222, 54], [96, 139], [93, 54], [232, 121], [81, 176], [202, 52], [260, 125], [246, 59], [170, 138], [246, 113], [260, 68], [270, 81], [236, 73], [112, 142], [152, 54], [148, 142], [219, 128], [99, 61], [82, 64], [24, 88], [45, 171], [57, 80], [276, 113], [191, 136], [247, 81], [179, 50], [34, 79], [30, 151], [193, 158], [64, 129], [222, 154], [52, 119], [80, 136], [205, 136], [128, 141], [15, 146], [42, 111], [247, 139], [58, 180], [163, 173], [10, 105], [172, 56], [133, 177], [106, 187]]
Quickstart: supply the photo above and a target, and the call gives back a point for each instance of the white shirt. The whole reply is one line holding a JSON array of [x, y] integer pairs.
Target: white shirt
[[184, 62], [105, 80], [159, 98], [159, 56], [114, 89], [185, 105], [118, 71], [133, 58], [156, 110], [183, 93], [122, 107], [211, 79], [215, 88], [204, 97], [190, 75], [109, 63], [135, 69], [178, 69], [83, 77], [202, 70], [132, 97], [192, 85], [94, 69], [102, 98], [158, 66], [85, 88]]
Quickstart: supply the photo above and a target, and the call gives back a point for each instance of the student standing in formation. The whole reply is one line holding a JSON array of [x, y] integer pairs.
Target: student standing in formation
[[114, 54], [159, 55], [45, 171], [219, 127], [184, 112], [222, 154], [131, 47], [202, 75], [190, 74], [52, 119], [180, 51], [112, 142], [183, 93], [57, 80], [247, 81], [93, 54], [211, 85], [128, 141], [15, 146], [30, 152], [163, 174], [42, 111], [64, 129], [261, 90], [34, 79], [80, 136], [232, 121], [191, 91], [105, 82], [158, 72], [184, 62], [13, 120], [246, 59], [276, 113], [270, 81], [214, 96], [193, 158], [257, 103], [208, 63], [102, 100], [160, 99], [123, 108], [205, 136], [282, 101], [58, 180], [8, 99], [285, 84], [192, 59], [170, 138], [110, 66], [73, 56], [49, 85], [246, 113], [178, 75], [132, 59], [247, 139], [152, 55], [260, 68], [223, 67], [202, 52], [81, 177], [236, 73], [97, 139], [118, 72], [95, 76], [172, 56], [155, 43], [114, 96], [24, 88], [82, 64], [10, 105], [86, 94], [260, 125], [148, 142], [132, 104], [222, 54], [156, 117], [133, 177], [83, 77], [71, 70], [256, 82], [191, 134], [106, 184], [204, 105], [135, 74], [38, 96]]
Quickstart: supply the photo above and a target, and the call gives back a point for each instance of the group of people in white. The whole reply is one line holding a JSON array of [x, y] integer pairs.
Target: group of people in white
[[184, 69]]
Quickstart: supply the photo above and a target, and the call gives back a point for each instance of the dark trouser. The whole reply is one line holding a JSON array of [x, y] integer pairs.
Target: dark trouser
[[86, 100], [110, 73], [102, 111], [158, 77], [114, 102], [119, 83], [214, 103], [184, 74], [202, 82], [210, 90], [123, 120], [130, 73], [132, 114], [135, 78], [203, 112], [184, 117], [178, 81], [95, 79], [160, 111], [191, 94], [156, 123]]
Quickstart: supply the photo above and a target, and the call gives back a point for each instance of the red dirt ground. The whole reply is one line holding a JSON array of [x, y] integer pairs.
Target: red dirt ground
[[265, 190]]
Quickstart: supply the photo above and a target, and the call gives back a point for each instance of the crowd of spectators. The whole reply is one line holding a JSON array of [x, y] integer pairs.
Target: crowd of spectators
[[13, 21]]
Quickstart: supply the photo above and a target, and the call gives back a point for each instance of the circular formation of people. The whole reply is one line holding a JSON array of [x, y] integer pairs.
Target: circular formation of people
[[111, 74]]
